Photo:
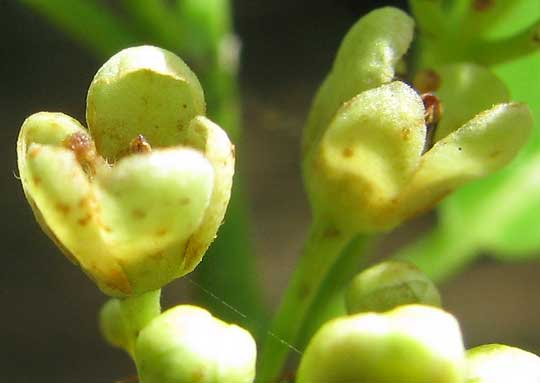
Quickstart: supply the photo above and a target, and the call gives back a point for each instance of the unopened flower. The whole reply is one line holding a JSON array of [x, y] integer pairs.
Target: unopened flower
[[187, 344], [390, 284], [412, 343], [137, 198], [376, 152]]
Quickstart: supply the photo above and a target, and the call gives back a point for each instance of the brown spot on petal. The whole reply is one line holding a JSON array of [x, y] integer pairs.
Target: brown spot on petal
[[161, 232], [184, 201], [157, 256], [84, 221], [348, 152], [36, 180], [405, 134], [32, 153], [138, 213], [193, 253], [63, 208]]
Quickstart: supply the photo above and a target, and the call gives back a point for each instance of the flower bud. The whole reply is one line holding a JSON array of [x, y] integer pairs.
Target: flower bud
[[412, 343], [497, 363], [187, 344], [373, 153], [137, 202], [390, 284]]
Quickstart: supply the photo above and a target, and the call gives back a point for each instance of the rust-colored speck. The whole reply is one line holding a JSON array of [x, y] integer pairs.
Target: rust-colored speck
[[482, 5], [161, 232], [192, 255], [184, 201], [63, 208], [36, 180], [139, 145], [157, 256], [138, 213], [82, 146], [84, 221], [426, 81], [34, 151], [405, 133], [348, 152]]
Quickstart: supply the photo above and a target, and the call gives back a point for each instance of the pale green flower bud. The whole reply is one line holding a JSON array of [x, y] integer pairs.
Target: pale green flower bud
[[187, 344], [373, 153], [138, 207], [497, 363], [412, 343], [390, 284]]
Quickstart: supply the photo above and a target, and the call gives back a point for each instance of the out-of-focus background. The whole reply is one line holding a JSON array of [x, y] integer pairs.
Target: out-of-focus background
[[48, 308]]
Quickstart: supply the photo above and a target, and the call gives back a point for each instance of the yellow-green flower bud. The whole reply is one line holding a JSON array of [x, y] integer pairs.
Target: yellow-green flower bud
[[412, 343], [373, 153], [390, 284], [187, 344], [497, 363], [138, 199]]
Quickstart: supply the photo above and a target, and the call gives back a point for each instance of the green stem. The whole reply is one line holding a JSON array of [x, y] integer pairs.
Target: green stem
[[121, 320], [323, 247], [88, 22], [228, 269], [156, 20], [330, 301]]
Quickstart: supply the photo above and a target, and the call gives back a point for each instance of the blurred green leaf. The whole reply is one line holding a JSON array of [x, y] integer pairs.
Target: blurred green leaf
[[89, 22]]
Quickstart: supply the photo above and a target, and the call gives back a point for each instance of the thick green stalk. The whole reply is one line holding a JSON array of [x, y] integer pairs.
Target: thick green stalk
[[157, 21], [88, 22], [330, 302], [323, 247]]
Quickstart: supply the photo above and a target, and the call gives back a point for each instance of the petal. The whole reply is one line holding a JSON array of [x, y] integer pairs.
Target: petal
[[152, 204], [219, 151], [466, 90], [369, 151], [366, 59], [63, 200], [483, 145], [141, 90]]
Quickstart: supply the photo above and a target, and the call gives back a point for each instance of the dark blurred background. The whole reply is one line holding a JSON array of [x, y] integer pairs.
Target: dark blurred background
[[48, 327]]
